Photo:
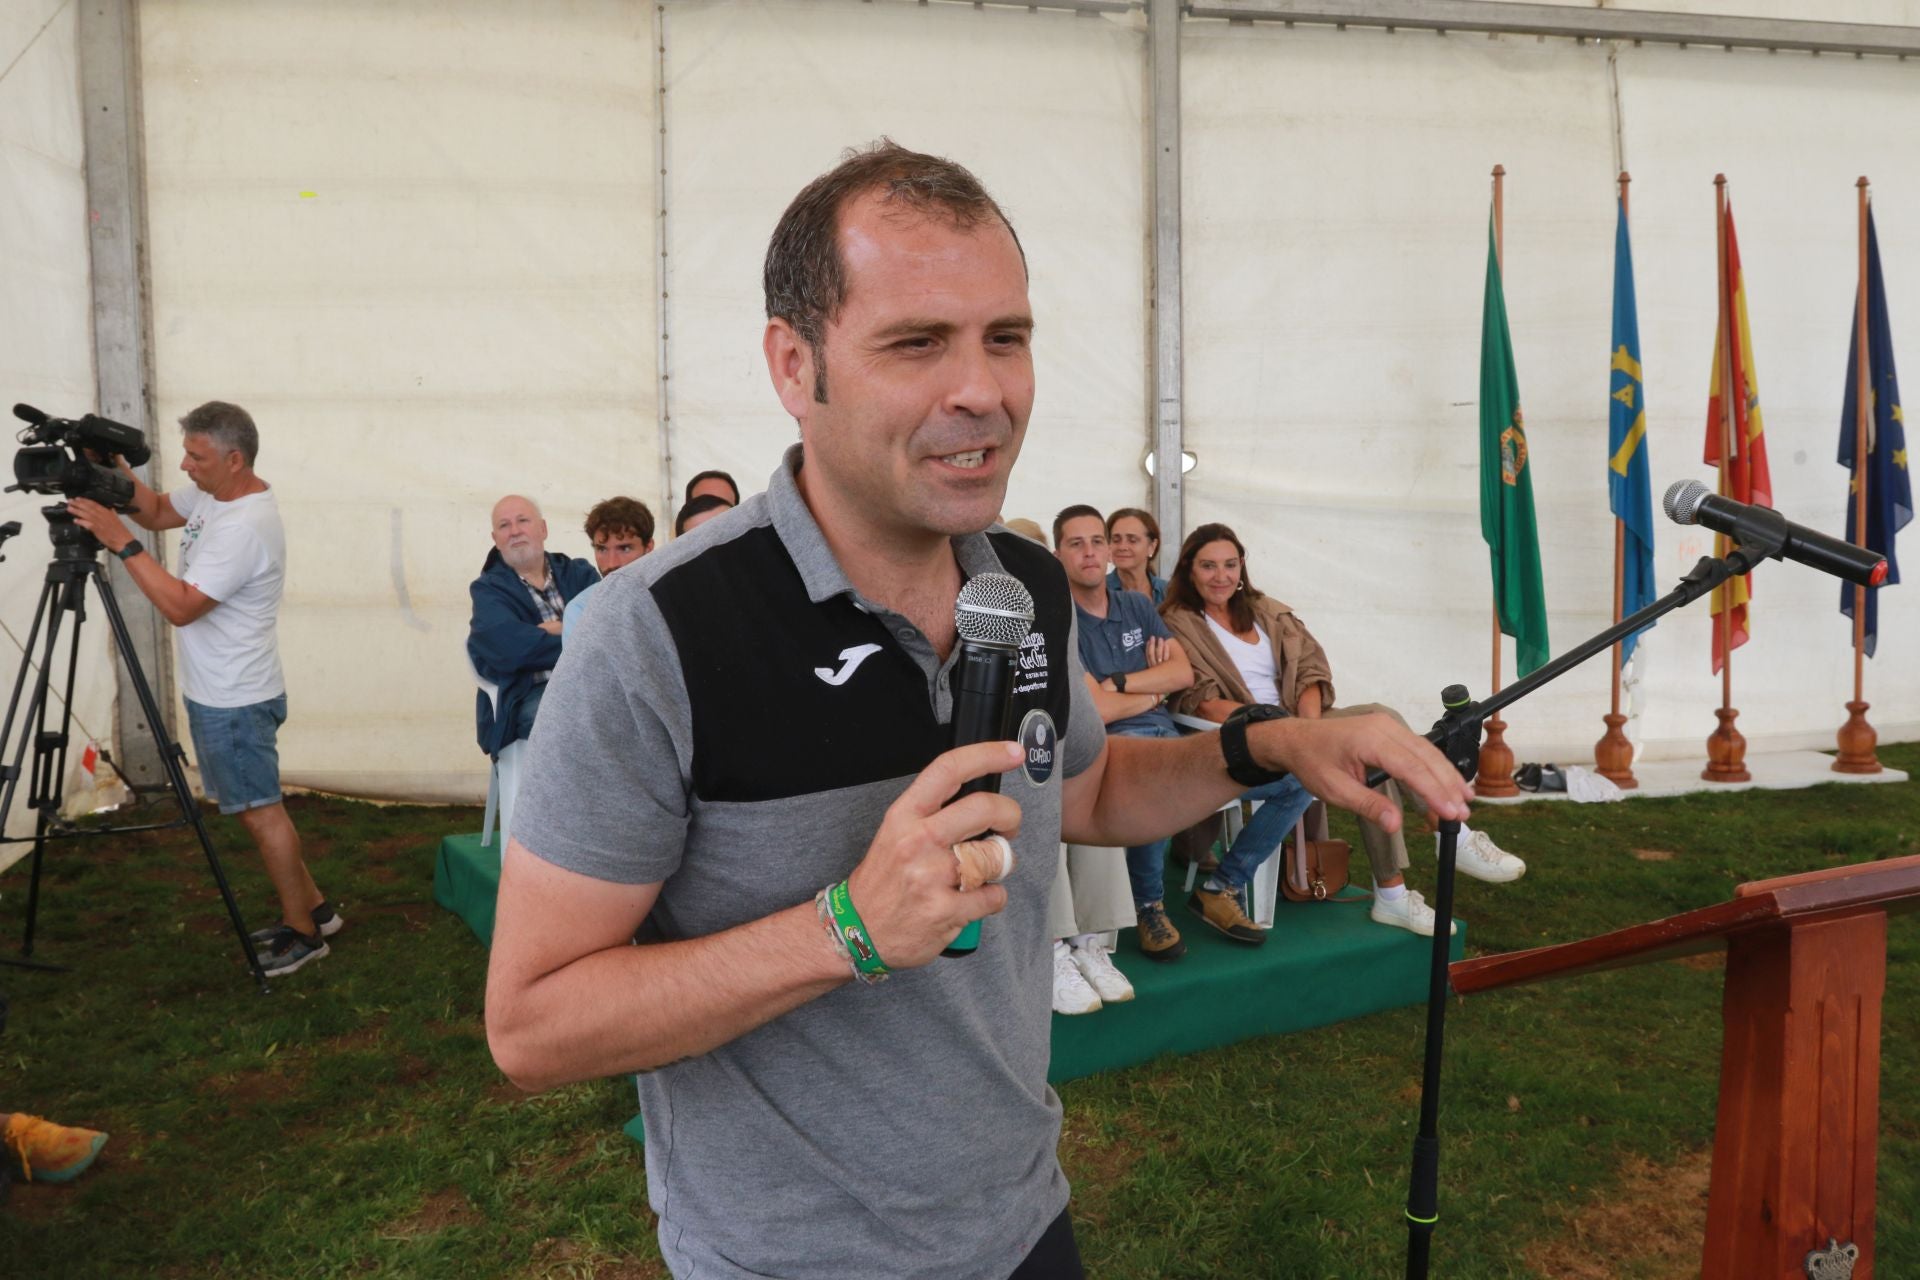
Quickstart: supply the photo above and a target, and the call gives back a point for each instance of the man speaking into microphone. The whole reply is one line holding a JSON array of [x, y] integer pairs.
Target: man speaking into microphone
[[766, 787]]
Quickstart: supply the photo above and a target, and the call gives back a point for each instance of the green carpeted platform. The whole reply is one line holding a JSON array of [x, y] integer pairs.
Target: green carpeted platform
[[1323, 962]]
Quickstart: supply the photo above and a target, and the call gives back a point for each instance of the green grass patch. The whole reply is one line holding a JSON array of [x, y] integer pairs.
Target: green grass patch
[[353, 1122]]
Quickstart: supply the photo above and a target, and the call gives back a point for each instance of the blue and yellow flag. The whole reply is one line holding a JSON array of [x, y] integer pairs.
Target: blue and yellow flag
[[1889, 495], [1629, 491]]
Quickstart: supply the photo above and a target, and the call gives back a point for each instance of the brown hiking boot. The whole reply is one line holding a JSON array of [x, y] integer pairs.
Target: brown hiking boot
[[1159, 940], [1221, 909]]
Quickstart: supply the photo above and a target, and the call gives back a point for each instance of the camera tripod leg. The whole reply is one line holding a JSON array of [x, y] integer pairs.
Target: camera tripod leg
[[173, 759], [31, 718]]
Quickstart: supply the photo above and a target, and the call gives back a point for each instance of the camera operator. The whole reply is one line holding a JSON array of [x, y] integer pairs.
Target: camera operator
[[233, 554]]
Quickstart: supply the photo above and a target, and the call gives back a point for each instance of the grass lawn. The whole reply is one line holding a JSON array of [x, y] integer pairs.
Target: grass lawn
[[353, 1122]]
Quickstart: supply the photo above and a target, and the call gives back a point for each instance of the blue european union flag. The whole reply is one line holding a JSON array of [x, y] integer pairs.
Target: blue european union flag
[[1889, 495], [1629, 491]]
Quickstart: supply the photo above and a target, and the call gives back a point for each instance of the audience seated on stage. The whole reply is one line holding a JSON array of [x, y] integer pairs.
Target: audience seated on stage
[[621, 530], [1134, 664], [1247, 647], [697, 511], [518, 603], [717, 483], [1133, 542]]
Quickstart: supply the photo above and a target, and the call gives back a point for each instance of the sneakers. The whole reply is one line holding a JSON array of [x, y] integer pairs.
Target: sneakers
[[47, 1152], [1097, 967], [325, 919], [288, 949], [1221, 909], [1478, 856], [1071, 994], [1159, 940], [1410, 912]]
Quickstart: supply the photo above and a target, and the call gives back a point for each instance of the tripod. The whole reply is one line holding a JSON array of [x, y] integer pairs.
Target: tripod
[[74, 564]]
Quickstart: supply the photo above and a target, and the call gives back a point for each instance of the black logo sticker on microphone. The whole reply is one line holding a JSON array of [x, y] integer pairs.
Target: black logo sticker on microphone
[[1039, 746]]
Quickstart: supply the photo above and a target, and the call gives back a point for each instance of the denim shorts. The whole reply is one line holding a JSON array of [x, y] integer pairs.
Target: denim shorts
[[238, 755]]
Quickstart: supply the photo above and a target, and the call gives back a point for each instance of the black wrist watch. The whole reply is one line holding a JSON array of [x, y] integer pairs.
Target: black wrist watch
[[1119, 682], [1233, 744], [131, 550]]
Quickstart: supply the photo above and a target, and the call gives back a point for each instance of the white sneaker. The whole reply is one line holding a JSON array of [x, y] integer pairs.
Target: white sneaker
[[1071, 994], [1097, 967], [1478, 856], [1410, 912]]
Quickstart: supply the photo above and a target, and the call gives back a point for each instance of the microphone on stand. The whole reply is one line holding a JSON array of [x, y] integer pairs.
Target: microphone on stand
[[993, 615], [1690, 502]]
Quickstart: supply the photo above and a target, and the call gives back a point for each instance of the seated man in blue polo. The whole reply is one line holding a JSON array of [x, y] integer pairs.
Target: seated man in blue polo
[[519, 600]]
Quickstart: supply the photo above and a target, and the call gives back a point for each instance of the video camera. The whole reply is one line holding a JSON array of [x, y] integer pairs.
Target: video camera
[[52, 458]]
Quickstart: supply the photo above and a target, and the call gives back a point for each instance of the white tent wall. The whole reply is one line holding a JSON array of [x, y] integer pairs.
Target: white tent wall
[[1337, 200], [1045, 107], [419, 242], [416, 242], [45, 335]]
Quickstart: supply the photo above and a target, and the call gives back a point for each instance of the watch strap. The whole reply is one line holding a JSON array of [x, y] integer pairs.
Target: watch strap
[[1241, 766], [131, 550]]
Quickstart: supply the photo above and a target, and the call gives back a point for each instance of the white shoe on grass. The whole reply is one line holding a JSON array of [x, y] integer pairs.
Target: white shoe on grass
[[1409, 912], [1071, 994], [1478, 856], [1097, 967]]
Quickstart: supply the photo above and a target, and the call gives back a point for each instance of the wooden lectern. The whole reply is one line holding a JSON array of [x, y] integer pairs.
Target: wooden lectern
[[1796, 1137]]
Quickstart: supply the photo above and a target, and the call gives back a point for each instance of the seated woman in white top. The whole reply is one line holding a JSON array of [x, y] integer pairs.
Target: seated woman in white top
[[1248, 647]]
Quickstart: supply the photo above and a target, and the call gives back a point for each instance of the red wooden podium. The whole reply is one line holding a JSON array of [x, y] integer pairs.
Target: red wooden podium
[[1796, 1137]]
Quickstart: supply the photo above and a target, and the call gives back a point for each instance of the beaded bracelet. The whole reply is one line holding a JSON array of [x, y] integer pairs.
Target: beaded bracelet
[[834, 906]]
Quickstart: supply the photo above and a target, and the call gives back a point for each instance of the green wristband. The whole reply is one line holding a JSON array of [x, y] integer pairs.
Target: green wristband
[[866, 957]]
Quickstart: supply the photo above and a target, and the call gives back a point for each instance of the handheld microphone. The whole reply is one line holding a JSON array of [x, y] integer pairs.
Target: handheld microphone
[[1690, 502], [992, 615]]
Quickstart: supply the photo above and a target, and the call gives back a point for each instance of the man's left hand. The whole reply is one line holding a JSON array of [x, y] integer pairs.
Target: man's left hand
[[1331, 758], [102, 522]]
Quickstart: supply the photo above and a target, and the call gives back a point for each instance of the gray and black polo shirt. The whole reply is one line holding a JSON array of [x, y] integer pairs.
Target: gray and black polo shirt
[[733, 720]]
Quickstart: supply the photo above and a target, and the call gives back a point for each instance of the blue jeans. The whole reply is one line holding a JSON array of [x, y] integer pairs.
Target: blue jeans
[[1147, 863], [238, 752], [1285, 800]]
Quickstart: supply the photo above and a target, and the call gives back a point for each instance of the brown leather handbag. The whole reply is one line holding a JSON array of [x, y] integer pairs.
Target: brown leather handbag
[[1315, 870]]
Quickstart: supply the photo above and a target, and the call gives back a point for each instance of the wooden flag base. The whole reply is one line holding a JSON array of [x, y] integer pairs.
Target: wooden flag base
[[1613, 754], [1857, 740], [1495, 775], [1726, 751]]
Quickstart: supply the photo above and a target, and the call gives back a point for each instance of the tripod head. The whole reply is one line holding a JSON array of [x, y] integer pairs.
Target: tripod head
[[71, 543]]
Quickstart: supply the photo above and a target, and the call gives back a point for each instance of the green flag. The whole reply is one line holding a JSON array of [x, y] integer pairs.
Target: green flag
[[1506, 483]]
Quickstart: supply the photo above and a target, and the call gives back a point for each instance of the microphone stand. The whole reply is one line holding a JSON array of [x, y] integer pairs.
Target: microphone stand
[[1457, 735]]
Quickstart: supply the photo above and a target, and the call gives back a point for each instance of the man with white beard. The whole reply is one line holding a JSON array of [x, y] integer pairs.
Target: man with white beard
[[518, 602]]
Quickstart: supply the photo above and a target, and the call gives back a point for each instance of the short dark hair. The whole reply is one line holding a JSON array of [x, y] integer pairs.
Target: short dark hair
[[715, 474], [228, 425], [1073, 512], [804, 278], [621, 515], [1183, 594], [699, 506]]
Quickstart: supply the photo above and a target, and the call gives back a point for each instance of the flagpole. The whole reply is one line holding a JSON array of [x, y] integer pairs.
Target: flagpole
[[1726, 747], [1495, 774], [1613, 754], [1856, 737]]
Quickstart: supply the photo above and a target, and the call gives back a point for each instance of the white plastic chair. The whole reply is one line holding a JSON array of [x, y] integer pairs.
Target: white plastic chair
[[1264, 892], [503, 780]]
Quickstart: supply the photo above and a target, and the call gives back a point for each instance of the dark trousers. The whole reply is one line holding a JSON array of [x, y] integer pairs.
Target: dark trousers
[[1055, 1256]]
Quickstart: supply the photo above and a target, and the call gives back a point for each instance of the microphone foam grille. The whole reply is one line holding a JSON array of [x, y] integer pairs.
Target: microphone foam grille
[[1683, 501], [994, 609]]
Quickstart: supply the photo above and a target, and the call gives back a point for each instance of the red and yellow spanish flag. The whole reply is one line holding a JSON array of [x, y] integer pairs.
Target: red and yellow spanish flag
[[1743, 476]]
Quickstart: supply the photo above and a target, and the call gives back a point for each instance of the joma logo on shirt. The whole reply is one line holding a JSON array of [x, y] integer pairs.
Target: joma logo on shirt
[[1133, 639]]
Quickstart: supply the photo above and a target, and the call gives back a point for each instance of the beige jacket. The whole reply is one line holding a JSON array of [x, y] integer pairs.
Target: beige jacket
[[1298, 656]]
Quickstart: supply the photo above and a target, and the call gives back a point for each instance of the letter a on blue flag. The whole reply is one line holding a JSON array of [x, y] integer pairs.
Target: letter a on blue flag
[[1889, 495], [1629, 491]]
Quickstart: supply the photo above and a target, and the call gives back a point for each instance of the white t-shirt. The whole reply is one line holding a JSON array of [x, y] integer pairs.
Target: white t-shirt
[[1255, 661], [235, 553]]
